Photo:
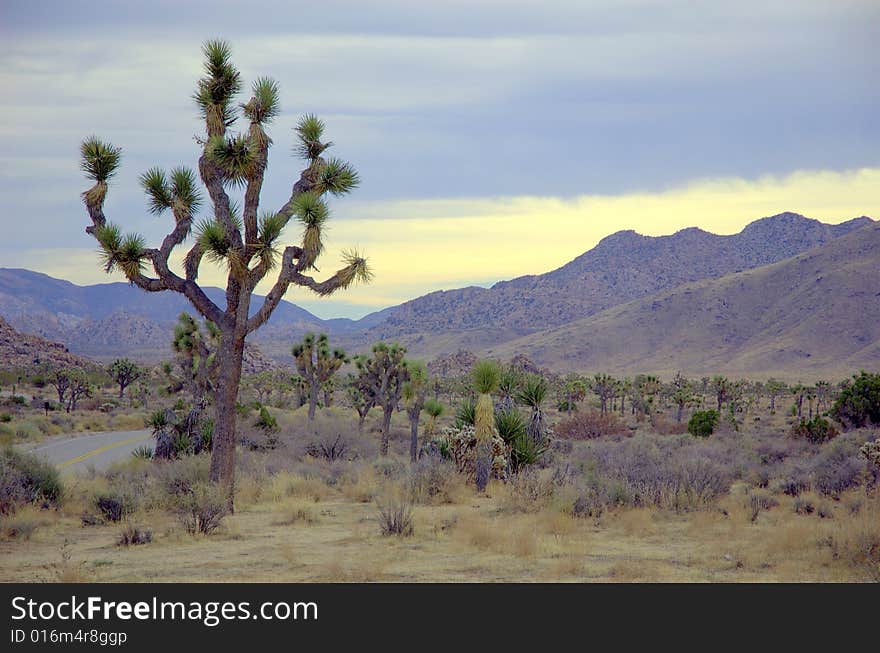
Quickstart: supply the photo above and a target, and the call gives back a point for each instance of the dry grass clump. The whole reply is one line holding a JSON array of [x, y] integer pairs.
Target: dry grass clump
[[297, 512], [22, 524]]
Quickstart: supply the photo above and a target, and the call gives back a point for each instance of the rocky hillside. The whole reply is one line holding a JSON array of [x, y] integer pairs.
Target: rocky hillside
[[623, 266], [817, 313], [18, 350]]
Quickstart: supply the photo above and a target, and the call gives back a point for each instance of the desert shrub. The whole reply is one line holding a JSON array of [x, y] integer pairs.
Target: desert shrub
[[114, 506], [180, 477], [663, 426], [666, 473], [132, 535], [590, 424], [389, 468], [702, 423], [796, 482], [803, 506], [836, 470], [5, 417], [202, 509], [395, 518], [528, 491], [815, 430], [858, 403], [431, 480], [24, 478], [327, 449], [758, 502]]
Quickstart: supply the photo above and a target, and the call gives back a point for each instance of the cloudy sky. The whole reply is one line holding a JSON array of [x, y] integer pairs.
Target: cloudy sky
[[494, 137]]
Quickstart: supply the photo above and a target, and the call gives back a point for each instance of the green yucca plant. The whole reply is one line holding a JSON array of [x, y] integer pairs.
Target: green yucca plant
[[486, 374], [509, 424], [466, 413], [433, 409]]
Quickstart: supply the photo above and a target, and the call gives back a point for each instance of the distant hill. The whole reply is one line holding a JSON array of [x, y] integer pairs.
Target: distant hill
[[623, 266], [18, 350], [113, 319], [109, 320], [817, 313]]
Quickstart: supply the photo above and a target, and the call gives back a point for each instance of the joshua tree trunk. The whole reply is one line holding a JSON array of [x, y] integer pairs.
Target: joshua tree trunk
[[413, 438], [313, 400], [223, 452], [387, 411], [680, 411]]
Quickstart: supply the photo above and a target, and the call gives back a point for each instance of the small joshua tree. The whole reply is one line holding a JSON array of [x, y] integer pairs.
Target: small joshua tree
[[316, 364], [533, 393], [434, 410], [245, 243], [414, 392], [124, 372], [382, 377]]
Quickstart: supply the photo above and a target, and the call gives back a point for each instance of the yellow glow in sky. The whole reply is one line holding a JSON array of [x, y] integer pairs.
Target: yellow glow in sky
[[419, 246]]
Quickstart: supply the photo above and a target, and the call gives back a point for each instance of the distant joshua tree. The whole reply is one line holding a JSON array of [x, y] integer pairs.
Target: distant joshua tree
[[124, 372], [244, 243], [605, 388], [682, 394], [382, 377], [414, 392], [316, 364], [774, 388], [721, 387]]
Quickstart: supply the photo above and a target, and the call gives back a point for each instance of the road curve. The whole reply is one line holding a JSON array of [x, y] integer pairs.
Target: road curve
[[73, 453]]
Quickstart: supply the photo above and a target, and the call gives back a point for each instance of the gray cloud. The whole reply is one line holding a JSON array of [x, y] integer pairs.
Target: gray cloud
[[433, 100]]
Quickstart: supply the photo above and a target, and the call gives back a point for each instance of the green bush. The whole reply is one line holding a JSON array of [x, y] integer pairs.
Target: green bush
[[702, 423], [24, 478], [858, 403], [816, 430], [5, 417]]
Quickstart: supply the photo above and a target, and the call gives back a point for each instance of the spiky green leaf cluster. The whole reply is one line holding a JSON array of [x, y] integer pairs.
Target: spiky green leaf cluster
[[181, 192], [309, 130], [185, 189], [127, 252], [215, 91], [100, 160], [486, 374], [213, 240], [337, 177], [356, 269], [533, 392], [269, 230], [155, 184], [264, 105], [234, 156]]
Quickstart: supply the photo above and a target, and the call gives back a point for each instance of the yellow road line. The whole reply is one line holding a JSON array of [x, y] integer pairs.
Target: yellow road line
[[88, 455]]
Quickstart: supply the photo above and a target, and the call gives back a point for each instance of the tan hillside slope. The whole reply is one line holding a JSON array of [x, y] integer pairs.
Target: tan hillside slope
[[817, 313], [21, 351]]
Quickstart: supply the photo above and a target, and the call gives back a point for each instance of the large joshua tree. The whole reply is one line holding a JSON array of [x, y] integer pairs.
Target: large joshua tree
[[245, 242]]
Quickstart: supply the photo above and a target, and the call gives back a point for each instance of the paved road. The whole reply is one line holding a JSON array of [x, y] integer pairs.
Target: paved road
[[72, 453]]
